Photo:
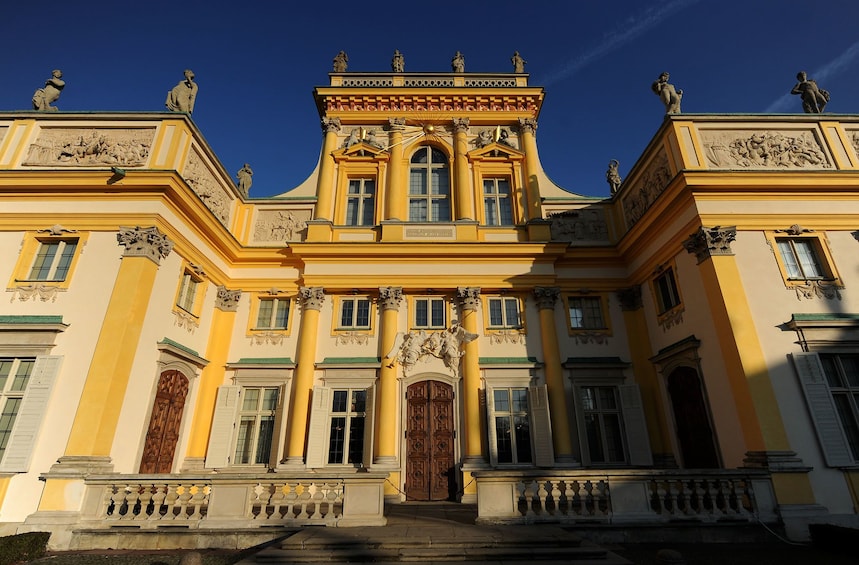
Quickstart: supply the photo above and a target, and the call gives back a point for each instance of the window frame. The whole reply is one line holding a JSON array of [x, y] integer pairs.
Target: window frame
[[254, 318], [30, 247], [542, 453], [505, 324], [511, 415], [430, 197], [190, 273], [257, 413], [822, 254], [604, 318], [497, 199], [668, 273], [349, 416], [337, 319], [364, 202], [430, 299]]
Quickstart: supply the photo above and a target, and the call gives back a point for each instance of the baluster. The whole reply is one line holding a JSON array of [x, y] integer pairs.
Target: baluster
[[747, 501], [601, 496], [303, 500], [555, 498], [569, 496], [263, 496], [675, 494], [158, 502], [291, 499], [198, 499], [184, 498], [275, 501], [530, 487], [110, 504], [318, 500], [170, 501], [131, 497], [541, 496], [144, 498], [699, 491], [658, 496], [582, 495]]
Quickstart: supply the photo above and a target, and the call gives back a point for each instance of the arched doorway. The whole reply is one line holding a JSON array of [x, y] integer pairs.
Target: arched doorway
[[163, 433], [692, 419], [430, 459]]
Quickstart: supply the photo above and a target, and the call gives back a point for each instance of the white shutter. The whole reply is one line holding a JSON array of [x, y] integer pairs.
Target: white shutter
[[369, 424], [635, 425], [223, 424], [541, 424], [490, 426], [25, 431], [832, 439], [317, 440]]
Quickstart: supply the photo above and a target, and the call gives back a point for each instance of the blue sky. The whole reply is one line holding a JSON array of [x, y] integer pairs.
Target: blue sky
[[257, 62]]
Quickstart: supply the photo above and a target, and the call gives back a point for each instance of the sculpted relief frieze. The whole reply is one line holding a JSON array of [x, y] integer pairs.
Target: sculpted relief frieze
[[646, 188], [205, 185], [579, 225], [764, 150], [280, 225], [854, 140], [74, 147]]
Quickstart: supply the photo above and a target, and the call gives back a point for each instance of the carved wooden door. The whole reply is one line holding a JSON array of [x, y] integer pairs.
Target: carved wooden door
[[430, 465], [163, 433], [691, 416]]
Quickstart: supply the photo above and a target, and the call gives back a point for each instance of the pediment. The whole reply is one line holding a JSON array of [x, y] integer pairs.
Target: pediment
[[361, 149], [496, 150]]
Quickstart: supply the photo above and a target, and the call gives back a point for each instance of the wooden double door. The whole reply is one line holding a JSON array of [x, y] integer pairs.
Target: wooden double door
[[164, 424], [430, 456]]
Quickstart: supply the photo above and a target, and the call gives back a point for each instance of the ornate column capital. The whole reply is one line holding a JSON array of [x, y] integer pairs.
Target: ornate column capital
[[144, 242], [460, 125], [390, 297], [330, 125], [227, 300], [528, 125], [396, 124], [546, 296], [469, 297], [629, 298], [311, 297], [707, 242]]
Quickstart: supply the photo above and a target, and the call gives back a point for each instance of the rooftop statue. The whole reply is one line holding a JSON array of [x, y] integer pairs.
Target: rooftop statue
[[814, 98], [181, 98], [341, 61], [666, 92], [518, 63], [398, 63], [43, 97], [458, 63], [612, 176], [245, 176]]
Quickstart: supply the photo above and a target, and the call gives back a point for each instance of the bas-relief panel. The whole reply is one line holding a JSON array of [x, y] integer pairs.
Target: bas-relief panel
[[206, 186], [280, 225], [377, 137], [853, 135], [759, 149], [646, 188], [73, 147], [586, 224], [3, 131]]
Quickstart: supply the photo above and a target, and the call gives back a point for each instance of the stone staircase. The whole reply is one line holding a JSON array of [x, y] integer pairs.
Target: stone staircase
[[435, 534]]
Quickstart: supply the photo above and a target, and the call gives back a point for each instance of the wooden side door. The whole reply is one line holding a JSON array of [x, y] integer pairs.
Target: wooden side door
[[430, 464], [163, 433]]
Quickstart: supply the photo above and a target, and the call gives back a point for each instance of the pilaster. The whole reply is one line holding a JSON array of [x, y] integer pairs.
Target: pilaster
[[527, 131], [475, 422], [387, 409], [325, 183], [395, 208], [464, 200]]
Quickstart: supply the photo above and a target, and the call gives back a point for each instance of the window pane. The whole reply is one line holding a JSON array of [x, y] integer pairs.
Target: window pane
[[789, 259], [850, 364], [244, 439], [613, 439], [22, 375], [359, 401], [495, 316], [266, 430], [520, 399], [439, 181], [356, 440], [338, 400], [65, 260], [503, 439], [848, 422], [577, 315], [352, 212], [5, 369], [830, 369], [489, 212], [523, 439], [502, 399], [440, 210], [269, 399], [594, 434], [265, 311], [606, 399], [336, 440], [438, 157], [588, 399], [282, 315], [251, 401], [418, 181], [418, 210], [44, 258], [438, 317], [363, 318], [511, 312], [807, 258], [420, 156], [346, 313], [7, 420], [421, 312]]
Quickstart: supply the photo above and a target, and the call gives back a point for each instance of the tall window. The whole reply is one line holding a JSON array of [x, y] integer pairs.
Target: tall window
[[53, 260], [504, 312], [355, 313], [188, 292], [256, 425], [14, 377], [800, 258], [602, 416], [361, 202], [585, 312], [346, 439], [273, 313], [430, 313], [497, 206], [667, 296], [842, 376], [512, 425], [429, 186]]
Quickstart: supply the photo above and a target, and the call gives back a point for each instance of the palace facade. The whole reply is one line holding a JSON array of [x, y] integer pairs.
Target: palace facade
[[427, 317]]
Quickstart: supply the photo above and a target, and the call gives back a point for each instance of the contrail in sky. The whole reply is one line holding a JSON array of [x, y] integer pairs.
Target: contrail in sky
[[618, 37], [833, 67]]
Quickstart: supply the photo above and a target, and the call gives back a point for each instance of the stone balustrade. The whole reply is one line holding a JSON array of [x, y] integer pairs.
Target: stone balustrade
[[624, 496]]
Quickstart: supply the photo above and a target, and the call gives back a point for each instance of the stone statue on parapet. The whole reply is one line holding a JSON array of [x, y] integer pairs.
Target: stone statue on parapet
[[398, 63], [813, 97], [245, 177], [458, 63], [612, 177], [666, 92], [183, 95], [518, 63], [43, 97], [341, 61]]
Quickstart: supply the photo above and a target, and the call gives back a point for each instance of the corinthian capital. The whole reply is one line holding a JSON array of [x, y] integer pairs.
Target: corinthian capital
[[227, 300], [546, 297], [707, 242], [330, 125], [390, 297], [460, 125], [311, 297], [528, 125], [396, 124], [144, 242], [469, 297]]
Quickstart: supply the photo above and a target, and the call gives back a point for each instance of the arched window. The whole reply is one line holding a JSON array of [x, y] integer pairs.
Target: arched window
[[429, 186]]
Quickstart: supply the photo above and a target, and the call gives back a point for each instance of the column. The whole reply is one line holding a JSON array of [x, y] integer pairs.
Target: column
[[747, 371], [560, 416], [395, 208], [217, 352], [464, 195], [474, 423], [387, 408], [94, 426], [527, 129], [311, 299], [325, 181]]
